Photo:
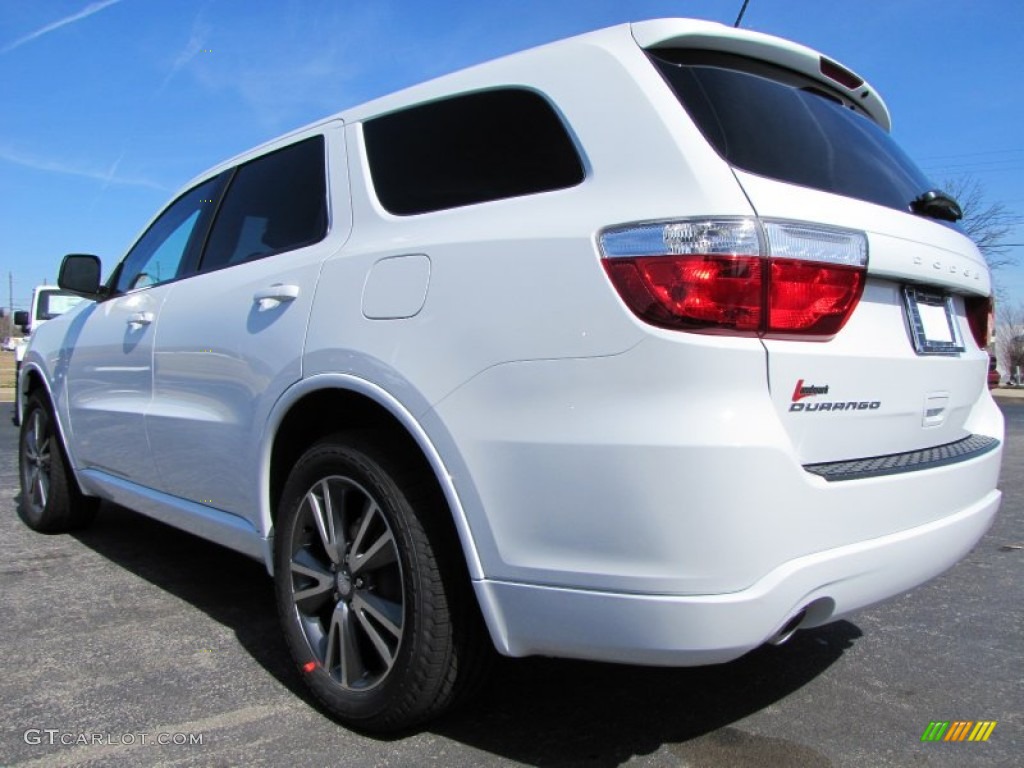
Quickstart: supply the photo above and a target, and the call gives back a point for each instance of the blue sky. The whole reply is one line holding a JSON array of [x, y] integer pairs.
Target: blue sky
[[108, 106]]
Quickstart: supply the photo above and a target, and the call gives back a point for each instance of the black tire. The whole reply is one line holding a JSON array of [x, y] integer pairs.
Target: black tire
[[386, 633], [50, 499]]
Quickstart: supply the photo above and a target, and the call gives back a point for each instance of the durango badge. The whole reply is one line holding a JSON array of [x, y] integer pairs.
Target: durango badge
[[801, 390]]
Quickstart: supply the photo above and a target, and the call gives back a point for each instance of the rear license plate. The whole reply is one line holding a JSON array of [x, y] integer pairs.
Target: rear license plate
[[933, 326]]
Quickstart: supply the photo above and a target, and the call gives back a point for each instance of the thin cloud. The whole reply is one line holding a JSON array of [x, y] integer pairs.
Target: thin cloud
[[195, 44], [107, 177], [89, 10], [111, 174]]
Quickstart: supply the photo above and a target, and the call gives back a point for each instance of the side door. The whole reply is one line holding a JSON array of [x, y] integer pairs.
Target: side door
[[110, 370], [230, 339]]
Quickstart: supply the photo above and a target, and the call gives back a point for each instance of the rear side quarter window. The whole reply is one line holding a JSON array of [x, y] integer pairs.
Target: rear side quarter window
[[275, 203], [474, 148]]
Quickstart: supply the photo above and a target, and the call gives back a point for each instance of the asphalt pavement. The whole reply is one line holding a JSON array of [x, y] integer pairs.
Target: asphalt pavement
[[133, 644]]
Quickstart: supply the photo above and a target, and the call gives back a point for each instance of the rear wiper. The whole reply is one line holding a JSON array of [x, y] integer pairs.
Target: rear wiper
[[938, 205]]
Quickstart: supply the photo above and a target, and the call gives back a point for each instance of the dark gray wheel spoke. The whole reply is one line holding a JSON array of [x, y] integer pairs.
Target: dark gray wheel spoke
[[33, 445], [367, 516], [305, 565], [352, 669], [343, 649], [377, 615], [40, 488], [380, 553], [321, 506], [331, 655], [387, 612]]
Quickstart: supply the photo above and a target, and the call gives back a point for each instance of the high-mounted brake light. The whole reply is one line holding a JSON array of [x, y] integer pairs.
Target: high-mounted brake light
[[738, 276], [840, 74]]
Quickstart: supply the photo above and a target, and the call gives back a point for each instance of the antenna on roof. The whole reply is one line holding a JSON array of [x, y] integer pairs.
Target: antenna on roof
[[742, 11]]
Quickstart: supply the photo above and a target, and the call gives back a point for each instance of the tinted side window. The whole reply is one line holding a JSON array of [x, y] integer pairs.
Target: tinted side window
[[274, 203], [160, 254], [469, 149]]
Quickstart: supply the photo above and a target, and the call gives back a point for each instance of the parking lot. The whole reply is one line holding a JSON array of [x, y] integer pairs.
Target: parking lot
[[135, 644]]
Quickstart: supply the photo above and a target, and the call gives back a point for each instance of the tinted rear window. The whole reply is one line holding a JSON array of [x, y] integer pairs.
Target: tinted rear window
[[780, 124], [469, 149]]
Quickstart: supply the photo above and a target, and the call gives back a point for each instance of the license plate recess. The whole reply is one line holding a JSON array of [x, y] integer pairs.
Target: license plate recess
[[932, 321]]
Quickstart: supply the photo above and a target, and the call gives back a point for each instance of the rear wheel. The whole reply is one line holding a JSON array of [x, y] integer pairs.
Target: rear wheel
[[50, 499], [378, 619]]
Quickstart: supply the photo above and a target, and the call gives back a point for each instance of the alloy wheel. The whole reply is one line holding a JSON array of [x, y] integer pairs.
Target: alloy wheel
[[346, 583], [36, 460]]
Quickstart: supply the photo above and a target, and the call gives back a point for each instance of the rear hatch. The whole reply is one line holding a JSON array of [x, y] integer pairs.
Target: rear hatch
[[807, 141]]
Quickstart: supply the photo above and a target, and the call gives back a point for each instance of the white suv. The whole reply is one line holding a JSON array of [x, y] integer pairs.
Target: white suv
[[645, 346]]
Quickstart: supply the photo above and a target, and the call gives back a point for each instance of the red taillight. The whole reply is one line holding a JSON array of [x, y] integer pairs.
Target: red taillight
[[692, 292], [811, 292], [812, 299], [979, 310]]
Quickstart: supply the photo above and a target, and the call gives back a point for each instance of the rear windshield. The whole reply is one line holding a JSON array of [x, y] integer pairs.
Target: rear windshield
[[784, 125]]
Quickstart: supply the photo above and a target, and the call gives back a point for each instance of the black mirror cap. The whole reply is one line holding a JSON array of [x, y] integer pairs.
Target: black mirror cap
[[80, 274], [21, 319]]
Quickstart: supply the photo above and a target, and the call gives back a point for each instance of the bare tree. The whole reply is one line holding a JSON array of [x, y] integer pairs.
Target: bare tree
[[1010, 338], [988, 224]]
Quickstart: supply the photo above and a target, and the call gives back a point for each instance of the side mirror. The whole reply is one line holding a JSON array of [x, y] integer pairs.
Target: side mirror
[[80, 274], [21, 320]]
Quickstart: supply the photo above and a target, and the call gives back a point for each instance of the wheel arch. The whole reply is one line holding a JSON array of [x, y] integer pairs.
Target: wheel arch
[[325, 404], [31, 378], [28, 379]]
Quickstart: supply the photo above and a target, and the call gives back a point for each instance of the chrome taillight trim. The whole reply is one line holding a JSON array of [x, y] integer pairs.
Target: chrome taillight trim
[[740, 236]]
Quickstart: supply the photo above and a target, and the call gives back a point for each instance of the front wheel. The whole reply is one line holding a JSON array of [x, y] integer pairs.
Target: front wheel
[[377, 616], [50, 499]]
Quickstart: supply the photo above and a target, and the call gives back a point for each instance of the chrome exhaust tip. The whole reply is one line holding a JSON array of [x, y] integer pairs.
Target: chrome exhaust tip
[[788, 628]]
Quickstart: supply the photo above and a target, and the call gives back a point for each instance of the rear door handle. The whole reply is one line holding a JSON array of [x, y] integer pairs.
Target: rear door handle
[[273, 295], [139, 319]]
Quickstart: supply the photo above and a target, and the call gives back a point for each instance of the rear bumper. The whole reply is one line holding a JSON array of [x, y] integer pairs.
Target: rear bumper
[[675, 524], [706, 629]]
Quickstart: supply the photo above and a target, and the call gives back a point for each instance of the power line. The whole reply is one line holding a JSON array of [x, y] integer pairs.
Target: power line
[[967, 170], [1013, 165], [977, 163], [973, 154]]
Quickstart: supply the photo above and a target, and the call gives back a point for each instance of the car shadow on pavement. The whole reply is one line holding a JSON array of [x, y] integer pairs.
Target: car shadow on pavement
[[559, 713], [536, 711], [230, 588]]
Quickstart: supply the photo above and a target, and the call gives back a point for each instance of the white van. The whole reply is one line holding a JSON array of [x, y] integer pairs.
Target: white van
[[48, 301]]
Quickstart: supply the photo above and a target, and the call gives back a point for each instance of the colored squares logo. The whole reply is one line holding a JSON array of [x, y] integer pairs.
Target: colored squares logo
[[958, 730]]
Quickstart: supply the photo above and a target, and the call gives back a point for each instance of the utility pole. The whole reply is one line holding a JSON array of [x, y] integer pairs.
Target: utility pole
[[8, 324]]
